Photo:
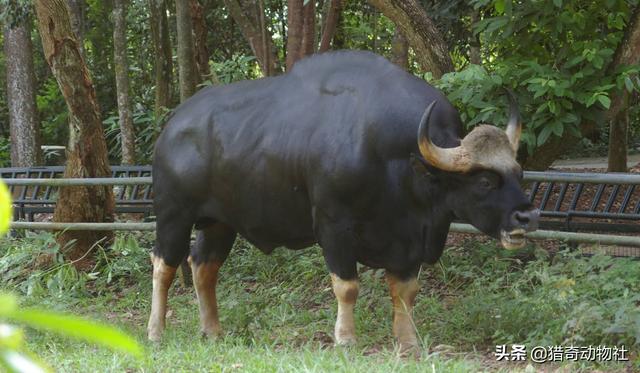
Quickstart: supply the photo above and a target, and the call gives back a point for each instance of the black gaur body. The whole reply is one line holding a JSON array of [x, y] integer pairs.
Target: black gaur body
[[328, 153]]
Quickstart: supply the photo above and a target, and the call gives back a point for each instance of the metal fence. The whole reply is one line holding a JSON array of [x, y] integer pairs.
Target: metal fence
[[536, 177]]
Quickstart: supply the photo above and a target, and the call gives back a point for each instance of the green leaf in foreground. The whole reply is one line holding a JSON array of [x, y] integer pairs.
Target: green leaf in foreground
[[78, 328]]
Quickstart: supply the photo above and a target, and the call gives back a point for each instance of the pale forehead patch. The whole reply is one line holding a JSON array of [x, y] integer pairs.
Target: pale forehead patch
[[489, 147]]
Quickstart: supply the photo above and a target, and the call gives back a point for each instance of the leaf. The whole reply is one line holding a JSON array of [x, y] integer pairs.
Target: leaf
[[78, 328], [628, 84], [557, 3], [544, 135], [605, 101], [499, 5]]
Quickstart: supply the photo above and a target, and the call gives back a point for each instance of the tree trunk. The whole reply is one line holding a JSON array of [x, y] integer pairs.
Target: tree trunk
[[421, 33], [87, 149], [627, 53], [77, 14], [188, 72], [253, 28], [617, 160], [121, 65], [163, 60], [308, 29], [474, 44], [200, 39], [21, 96], [330, 24], [400, 50], [295, 22]]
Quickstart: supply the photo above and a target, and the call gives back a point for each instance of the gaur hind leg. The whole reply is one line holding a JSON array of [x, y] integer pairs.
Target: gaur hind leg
[[212, 247], [172, 246], [403, 294]]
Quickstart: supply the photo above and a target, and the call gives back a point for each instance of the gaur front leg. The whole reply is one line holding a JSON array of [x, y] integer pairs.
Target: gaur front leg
[[403, 295], [163, 276], [346, 292]]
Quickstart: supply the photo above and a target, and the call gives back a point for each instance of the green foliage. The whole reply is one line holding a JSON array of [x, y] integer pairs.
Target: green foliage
[[556, 60], [238, 67], [146, 127], [564, 299], [53, 113], [15, 12], [5, 152]]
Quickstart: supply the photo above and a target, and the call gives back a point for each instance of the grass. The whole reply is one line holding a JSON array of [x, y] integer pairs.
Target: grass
[[278, 310]]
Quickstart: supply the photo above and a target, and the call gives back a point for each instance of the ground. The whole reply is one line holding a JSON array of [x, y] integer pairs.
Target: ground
[[278, 310]]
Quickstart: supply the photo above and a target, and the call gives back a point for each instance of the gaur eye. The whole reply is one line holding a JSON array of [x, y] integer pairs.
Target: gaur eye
[[487, 183]]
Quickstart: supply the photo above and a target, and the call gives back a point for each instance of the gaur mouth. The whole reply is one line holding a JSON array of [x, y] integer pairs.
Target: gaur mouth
[[512, 240]]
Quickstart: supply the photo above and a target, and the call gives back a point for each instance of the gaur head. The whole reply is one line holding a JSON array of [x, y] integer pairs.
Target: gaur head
[[483, 178]]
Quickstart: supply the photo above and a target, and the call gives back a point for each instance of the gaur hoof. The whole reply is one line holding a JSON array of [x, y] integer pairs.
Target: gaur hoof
[[154, 336], [345, 340], [211, 335], [409, 349]]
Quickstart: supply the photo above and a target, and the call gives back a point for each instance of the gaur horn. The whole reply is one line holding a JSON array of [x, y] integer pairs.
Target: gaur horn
[[447, 159], [514, 127]]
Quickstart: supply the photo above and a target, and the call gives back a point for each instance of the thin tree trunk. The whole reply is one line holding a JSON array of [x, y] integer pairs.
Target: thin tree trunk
[[339, 37], [77, 14], [618, 140], [121, 64], [200, 39], [308, 29], [254, 29], [627, 53], [163, 60], [21, 95], [295, 23], [421, 33], [330, 24], [87, 150], [474, 44], [400, 50], [188, 72]]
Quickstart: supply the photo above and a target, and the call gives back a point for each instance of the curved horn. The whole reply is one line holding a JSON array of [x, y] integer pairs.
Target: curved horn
[[514, 126], [447, 159]]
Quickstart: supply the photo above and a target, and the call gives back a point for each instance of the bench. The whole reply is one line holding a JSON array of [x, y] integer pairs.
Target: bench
[[32, 200]]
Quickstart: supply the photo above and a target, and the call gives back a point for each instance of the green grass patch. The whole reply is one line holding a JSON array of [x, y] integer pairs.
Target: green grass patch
[[278, 310]]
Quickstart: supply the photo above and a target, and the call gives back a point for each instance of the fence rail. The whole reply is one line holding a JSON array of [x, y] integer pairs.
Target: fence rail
[[143, 180], [552, 177]]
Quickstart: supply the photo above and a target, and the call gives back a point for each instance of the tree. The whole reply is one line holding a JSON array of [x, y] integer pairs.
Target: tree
[[421, 33], [330, 24], [400, 50], [21, 89], [557, 69], [627, 53], [87, 149], [200, 38], [308, 45], [187, 69], [295, 23], [121, 64], [162, 49], [251, 19]]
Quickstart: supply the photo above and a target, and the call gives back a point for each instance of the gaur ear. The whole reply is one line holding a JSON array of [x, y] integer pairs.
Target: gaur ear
[[419, 165]]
